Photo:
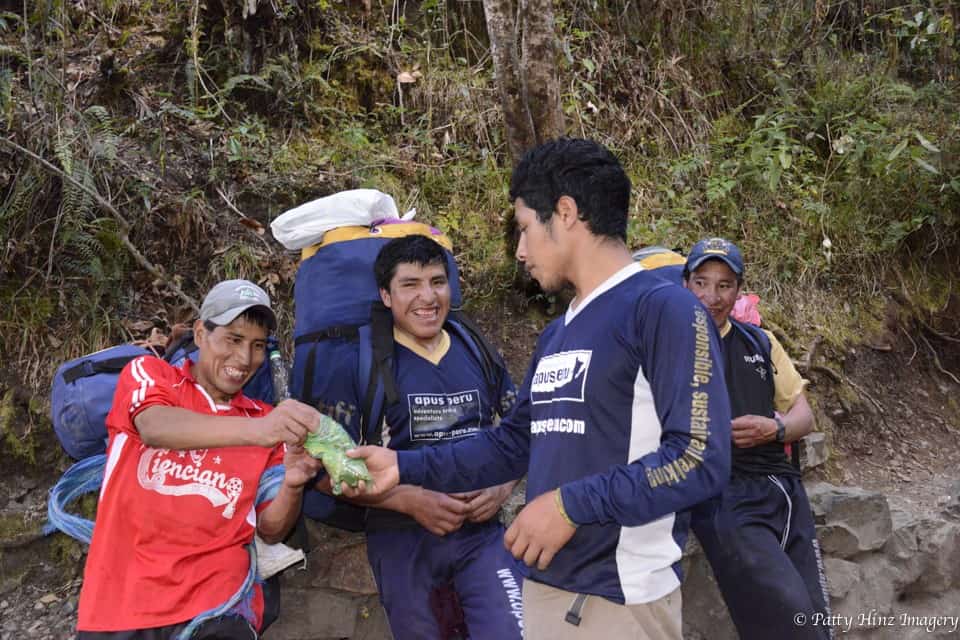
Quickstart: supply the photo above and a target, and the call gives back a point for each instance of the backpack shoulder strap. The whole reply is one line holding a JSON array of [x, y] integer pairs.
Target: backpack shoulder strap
[[758, 339], [755, 335], [89, 368], [376, 367], [185, 342], [490, 359]]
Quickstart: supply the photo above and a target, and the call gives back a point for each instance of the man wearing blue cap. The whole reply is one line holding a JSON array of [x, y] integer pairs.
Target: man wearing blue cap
[[758, 534]]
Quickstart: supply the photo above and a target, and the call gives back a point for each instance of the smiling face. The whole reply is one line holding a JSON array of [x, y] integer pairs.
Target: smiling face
[[229, 356], [538, 249], [419, 297], [716, 286]]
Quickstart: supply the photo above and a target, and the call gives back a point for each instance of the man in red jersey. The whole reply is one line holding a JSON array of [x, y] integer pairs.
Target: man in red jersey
[[178, 502]]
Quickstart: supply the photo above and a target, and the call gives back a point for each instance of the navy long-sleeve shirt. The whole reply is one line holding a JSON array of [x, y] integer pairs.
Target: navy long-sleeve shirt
[[624, 408]]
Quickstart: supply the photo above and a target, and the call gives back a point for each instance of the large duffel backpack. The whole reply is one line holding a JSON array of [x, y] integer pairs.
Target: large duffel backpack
[[83, 391], [339, 318]]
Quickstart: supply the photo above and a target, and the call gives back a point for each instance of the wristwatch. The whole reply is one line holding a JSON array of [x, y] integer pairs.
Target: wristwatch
[[781, 429]]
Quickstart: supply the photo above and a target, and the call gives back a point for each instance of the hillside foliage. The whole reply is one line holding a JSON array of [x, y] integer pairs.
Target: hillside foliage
[[823, 135]]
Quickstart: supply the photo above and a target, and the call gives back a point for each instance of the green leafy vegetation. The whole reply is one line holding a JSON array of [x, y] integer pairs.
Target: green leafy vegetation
[[823, 136]]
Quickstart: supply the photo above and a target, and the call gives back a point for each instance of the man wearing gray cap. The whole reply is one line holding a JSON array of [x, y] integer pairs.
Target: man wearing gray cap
[[178, 504]]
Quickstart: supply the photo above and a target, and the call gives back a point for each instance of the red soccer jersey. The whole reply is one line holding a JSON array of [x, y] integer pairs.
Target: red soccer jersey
[[171, 525]]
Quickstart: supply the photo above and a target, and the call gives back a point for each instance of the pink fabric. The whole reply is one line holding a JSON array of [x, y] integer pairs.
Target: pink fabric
[[746, 309]]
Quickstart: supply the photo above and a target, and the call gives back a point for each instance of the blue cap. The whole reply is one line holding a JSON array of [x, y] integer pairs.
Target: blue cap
[[715, 248]]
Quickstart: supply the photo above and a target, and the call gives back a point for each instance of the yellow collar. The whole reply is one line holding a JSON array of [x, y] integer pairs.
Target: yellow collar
[[433, 356], [725, 329]]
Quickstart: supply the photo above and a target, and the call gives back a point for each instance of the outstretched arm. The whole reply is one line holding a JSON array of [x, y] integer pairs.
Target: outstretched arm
[[178, 428], [491, 457]]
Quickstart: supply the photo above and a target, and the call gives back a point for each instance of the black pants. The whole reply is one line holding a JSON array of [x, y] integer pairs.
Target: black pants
[[222, 628], [760, 540]]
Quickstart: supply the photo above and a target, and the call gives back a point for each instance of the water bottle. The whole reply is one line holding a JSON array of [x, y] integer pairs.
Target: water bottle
[[278, 370]]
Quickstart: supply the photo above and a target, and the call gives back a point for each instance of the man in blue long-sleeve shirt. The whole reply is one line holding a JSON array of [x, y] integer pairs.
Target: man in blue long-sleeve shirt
[[622, 423]]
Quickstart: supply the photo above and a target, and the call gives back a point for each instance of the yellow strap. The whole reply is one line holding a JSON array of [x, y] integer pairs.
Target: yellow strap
[[665, 259], [396, 230]]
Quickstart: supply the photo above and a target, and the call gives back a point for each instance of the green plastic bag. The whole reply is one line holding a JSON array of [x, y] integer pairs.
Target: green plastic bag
[[329, 443]]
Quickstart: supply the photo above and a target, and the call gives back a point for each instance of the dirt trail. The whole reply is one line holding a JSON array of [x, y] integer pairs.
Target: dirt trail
[[894, 425]]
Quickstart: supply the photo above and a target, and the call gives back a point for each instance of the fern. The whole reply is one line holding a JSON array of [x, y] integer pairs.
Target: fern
[[104, 140], [84, 250], [6, 96], [252, 82], [6, 51], [19, 204], [7, 18], [78, 246], [63, 152]]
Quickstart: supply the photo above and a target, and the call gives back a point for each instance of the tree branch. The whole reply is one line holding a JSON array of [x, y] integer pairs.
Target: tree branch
[[142, 260]]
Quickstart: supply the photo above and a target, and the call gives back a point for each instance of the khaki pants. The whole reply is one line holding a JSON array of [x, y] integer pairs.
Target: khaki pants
[[545, 609]]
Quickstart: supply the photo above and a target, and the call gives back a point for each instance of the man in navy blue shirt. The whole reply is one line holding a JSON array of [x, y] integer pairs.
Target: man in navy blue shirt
[[418, 540], [622, 422], [759, 534]]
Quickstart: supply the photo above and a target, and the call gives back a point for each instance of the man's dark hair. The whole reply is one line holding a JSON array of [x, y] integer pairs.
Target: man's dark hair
[[256, 316], [582, 169], [413, 249]]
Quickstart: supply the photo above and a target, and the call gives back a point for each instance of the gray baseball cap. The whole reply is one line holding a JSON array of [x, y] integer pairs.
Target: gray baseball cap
[[228, 299]]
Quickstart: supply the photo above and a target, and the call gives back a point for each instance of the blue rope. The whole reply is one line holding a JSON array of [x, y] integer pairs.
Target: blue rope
[[82, 478], [86, 476]]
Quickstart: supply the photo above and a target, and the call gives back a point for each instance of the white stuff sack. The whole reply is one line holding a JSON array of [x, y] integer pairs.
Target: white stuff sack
[[305, 225]]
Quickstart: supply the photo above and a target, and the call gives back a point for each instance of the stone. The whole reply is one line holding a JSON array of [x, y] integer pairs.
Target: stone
[[937, 556], [851, 520], [313, 614], [838, 539], [50, 598], [372, 623], [350, 571], [813, 450], [874, 589], [841, 576], [705, 615]]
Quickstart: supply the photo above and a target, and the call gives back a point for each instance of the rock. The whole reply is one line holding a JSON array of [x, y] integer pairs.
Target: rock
[[851, 519], [937, 556], [841, 576], [952, 508], [874, 590], [838, 539], [313, 614], [350, 571], [373, 624], [705, 615], [50, 598], [813, 450]]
